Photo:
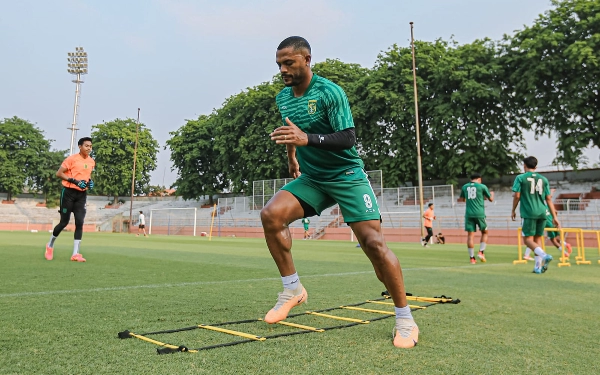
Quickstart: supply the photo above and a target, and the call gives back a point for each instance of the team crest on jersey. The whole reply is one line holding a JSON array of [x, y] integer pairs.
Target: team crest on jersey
[[85, 166], [312, 107]]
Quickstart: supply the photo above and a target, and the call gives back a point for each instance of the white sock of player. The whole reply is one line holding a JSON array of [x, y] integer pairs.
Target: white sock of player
[[482, 246], [76, 247], [291, 282], [560, 248], [471, 252], [539, 252], [403, 312], [527, 252], [538, 261], [52, 239]]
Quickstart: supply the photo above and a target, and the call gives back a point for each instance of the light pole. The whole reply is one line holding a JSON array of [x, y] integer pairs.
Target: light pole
[[78, 66], [417, 126], [137, 127]]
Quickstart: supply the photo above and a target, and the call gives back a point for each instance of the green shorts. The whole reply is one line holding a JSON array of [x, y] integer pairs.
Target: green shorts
[[471, 224], [352, 191], [551, 234], [533, 227], [305, 226]]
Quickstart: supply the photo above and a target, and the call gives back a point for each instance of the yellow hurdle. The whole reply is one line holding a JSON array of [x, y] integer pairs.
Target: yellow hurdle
[[520, 259]]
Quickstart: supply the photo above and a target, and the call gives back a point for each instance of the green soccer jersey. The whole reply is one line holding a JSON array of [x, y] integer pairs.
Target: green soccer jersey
[[475, 194], [305, 221], [323, 109], [534, 188], [549, 222]]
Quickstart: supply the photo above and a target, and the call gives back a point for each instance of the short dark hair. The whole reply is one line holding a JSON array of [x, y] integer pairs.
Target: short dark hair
[[530, 162], [430, 204], [141, 212], [81, 140], [296, 42], [475, 175]]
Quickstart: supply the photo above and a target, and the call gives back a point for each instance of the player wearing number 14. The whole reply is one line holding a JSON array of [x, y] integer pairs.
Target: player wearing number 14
[[531, 190], [474, 194]]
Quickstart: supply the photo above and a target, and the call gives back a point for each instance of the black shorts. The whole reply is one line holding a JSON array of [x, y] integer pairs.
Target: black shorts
[[72, 200], [141, 226]]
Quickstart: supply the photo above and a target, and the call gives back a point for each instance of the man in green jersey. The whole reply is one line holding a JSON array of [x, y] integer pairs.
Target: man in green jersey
[[532, 192], [475, 193], [306, 222], [318, 132]]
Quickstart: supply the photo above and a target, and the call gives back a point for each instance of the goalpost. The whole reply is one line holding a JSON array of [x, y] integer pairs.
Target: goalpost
[[172, 221]]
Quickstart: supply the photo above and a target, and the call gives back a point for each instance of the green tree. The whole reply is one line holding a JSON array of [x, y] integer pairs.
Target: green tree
[[113, 149], [196, 160], [22, 150], [52, 185], [553, 75]]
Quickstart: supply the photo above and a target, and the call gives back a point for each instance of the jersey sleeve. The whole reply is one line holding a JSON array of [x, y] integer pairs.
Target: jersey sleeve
[[67, 163], [338, 109], [546, 188], [486, 192], [517, 185]]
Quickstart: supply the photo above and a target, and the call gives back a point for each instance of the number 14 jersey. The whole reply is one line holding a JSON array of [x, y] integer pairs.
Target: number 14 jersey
[[534, 188]]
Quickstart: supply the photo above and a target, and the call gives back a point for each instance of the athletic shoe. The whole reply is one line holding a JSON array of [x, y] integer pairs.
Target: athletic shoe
[[406, 333], [545, 262], [49, 252], [473, 261], [569, 250], [77, 258], [527, 257], [537, 270], [481, 256], [286, 300]]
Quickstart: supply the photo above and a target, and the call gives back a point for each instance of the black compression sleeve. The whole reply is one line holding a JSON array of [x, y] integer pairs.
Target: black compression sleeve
[[337, 141]]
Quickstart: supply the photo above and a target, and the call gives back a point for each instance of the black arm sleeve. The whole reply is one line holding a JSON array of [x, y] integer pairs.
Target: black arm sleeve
[[337, 141]]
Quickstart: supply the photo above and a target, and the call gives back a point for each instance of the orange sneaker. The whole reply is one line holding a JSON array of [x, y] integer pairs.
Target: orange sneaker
[[77, 258], [286, 300], [481, 256], [527, 257], [569, 249], [473, 261], [49, 252], [406, 333]]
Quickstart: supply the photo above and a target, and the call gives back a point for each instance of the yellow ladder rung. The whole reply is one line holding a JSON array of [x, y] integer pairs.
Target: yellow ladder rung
[[235, 333], [368, 310], [338, 317], [392, 304], [155, 342], [300, 326]]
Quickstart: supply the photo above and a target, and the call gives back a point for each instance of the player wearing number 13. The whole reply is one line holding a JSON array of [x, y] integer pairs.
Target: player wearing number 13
[[474, 194], [531, 190]]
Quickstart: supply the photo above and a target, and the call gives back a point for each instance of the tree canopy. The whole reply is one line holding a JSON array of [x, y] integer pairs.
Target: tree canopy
[[113, 149]]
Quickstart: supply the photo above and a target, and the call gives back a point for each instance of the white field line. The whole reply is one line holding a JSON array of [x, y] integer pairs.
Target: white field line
[[196, 283]]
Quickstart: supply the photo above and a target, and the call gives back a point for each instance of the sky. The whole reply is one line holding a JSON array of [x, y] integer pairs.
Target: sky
[[178, 59]]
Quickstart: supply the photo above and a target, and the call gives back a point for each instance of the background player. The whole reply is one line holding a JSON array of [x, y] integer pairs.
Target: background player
[[141, 224], [306, 222], [531, 189], [429, 217], [318, 131], [75, 173], [474, 194]]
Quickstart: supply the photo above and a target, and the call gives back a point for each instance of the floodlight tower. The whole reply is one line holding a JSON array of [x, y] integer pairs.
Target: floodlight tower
[[78, 66]]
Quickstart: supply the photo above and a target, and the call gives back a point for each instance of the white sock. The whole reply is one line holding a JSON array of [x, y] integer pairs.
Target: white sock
[[482, 246], [291, 282], [52, 239], [560, 248], [76, 247], [403, 312], [539, 252], [527, 252], [538, 261], [471, 252]]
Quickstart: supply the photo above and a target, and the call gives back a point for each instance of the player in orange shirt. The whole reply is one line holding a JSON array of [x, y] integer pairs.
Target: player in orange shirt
[[429, 217], [75, 173]]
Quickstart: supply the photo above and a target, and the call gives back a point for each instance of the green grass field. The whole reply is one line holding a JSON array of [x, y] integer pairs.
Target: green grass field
[[62, 317]]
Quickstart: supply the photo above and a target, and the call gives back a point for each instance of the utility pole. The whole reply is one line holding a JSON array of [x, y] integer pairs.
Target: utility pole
[[78, 66]]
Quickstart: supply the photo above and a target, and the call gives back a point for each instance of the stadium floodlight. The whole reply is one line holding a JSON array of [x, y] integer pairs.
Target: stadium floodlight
[[77, 65], [417, 126]]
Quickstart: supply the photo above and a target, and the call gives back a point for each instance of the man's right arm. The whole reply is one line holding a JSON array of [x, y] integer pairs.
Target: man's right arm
[[293, 166]]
